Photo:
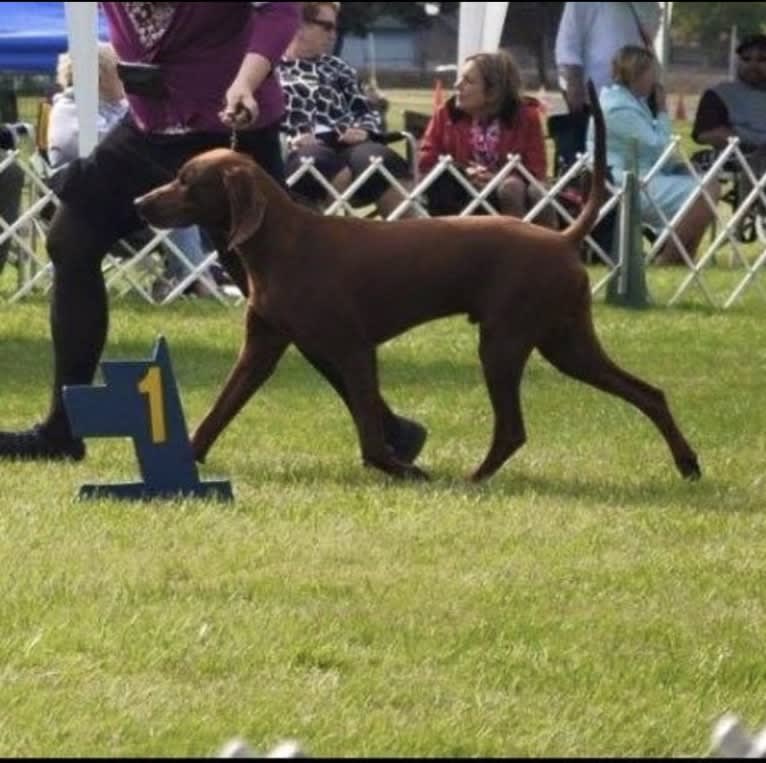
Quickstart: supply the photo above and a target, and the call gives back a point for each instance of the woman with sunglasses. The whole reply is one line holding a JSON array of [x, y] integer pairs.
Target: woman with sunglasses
[[329, 118]]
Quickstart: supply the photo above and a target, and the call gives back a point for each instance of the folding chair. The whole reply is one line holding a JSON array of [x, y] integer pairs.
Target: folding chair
[[569, 134], [414, 124]]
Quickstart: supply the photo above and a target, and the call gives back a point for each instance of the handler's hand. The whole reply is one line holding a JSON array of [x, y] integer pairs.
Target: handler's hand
[[478, 174], [304, 140], [354, 135], [241, 109]]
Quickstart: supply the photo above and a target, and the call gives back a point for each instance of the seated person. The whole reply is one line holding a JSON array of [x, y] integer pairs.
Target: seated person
[[63, 123], [632, 130], [329, 119], [738, 109], [484, 121], [63, 137], [11, 185]]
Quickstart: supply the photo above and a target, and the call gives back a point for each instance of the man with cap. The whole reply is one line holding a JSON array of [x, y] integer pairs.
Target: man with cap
[[738, 107]]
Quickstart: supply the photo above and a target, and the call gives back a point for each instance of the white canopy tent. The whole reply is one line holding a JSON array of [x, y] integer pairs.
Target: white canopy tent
[[480, 28], [662, 41]]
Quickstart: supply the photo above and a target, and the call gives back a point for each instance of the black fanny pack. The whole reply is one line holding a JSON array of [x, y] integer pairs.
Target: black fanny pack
[[142, 79]]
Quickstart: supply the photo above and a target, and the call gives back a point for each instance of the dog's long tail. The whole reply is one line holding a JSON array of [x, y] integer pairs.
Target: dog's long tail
[[582, 225]]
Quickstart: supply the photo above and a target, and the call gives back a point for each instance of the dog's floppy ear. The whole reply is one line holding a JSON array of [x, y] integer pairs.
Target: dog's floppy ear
[[247, 205]]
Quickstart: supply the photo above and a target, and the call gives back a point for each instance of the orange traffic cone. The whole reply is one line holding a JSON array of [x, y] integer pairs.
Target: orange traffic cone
[[438, 97], [680, 114]]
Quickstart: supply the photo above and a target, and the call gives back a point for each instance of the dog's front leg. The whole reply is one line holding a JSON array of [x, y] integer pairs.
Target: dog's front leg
[[260, 353], [360, 376]]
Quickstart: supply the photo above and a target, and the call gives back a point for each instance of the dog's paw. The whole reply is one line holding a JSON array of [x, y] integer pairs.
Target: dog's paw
[[412, 472], [199, 449], [690, 468], [397, 469]]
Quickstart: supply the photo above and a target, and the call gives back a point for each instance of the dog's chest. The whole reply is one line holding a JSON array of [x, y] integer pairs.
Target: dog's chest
[[271, 302]]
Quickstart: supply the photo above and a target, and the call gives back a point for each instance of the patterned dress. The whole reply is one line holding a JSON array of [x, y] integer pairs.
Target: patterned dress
[[323, 95], [323, 98]]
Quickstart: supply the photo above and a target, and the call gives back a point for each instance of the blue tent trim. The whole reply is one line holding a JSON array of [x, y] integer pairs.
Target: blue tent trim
[[33, 34]]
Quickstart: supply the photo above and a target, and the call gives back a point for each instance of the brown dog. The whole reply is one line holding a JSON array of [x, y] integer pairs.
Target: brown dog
[[339, 286]]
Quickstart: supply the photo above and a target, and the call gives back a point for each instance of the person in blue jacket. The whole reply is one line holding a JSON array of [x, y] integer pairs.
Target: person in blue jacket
[[634, 134]]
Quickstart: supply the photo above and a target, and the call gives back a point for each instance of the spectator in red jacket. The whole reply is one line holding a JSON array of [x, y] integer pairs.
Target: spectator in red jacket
[[484, 121]]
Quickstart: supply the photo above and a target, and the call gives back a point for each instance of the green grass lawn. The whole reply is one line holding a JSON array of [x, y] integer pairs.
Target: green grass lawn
[[586, 601]]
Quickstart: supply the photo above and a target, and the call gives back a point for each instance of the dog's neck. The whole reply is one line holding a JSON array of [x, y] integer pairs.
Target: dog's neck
[[269, 239]]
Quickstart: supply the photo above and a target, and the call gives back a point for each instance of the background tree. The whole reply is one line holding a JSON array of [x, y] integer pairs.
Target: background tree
[[709, 24], [356, 18], [528, 24]]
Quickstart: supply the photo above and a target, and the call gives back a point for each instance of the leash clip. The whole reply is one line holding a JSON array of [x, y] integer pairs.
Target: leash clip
[[240, 111]]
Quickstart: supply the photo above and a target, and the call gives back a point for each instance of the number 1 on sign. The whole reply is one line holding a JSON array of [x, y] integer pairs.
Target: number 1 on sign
[[151, 386]]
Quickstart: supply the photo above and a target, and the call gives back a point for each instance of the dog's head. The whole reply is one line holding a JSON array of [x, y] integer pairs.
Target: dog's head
[[218, 190]]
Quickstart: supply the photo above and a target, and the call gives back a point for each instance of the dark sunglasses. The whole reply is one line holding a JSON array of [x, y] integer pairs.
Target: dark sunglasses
[[750, 57], [328, 26]]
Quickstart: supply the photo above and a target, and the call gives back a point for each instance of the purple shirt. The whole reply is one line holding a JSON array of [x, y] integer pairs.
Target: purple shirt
[[200, 47]]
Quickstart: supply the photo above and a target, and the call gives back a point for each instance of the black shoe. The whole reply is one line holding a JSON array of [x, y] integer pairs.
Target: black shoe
[[408, 440], [36, 445], [220, 276]]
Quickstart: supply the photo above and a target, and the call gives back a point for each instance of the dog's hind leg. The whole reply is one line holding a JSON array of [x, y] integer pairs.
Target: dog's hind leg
[[260, 353], [393, 425], [503, 358], [360, 377], [574, 349]]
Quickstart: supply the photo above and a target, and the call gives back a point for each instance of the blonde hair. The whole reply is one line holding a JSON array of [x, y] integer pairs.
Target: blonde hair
[[630, 63], [310, 11], [107, 63]]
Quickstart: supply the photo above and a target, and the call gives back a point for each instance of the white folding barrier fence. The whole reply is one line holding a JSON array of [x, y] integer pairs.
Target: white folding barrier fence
[[130, 267], [140, 269]]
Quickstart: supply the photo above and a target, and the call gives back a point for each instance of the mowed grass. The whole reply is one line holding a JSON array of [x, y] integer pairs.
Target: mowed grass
[[585, 601]]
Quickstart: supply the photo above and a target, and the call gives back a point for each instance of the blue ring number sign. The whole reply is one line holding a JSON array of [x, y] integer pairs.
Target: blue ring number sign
[[140, 400]]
